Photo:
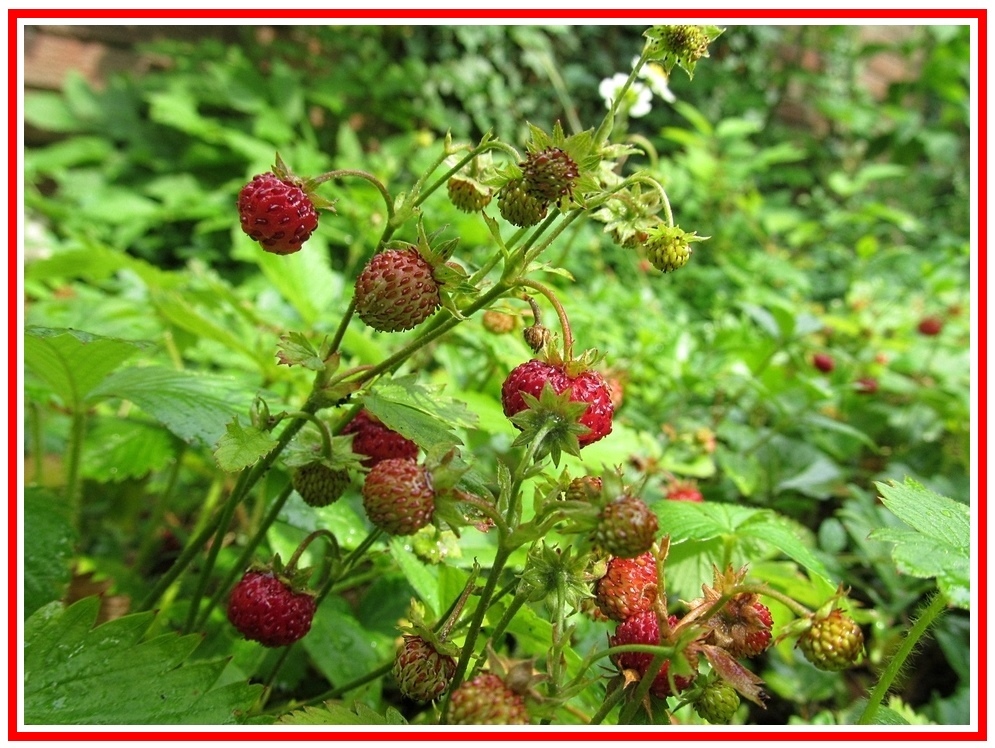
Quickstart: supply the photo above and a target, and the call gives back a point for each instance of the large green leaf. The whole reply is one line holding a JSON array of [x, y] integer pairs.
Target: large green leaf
[[341, 648], [193, 406], [73, 362], [119, 449], [939, 543], [48, 555], [337, 714], [75, 674]]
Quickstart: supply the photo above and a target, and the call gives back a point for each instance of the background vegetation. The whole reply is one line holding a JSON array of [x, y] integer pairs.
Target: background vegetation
[[838, 216]]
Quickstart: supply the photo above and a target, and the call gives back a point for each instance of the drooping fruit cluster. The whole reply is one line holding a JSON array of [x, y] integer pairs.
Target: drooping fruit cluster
[[683, 490], [318, 484], [643, 628], [628, 587], [396, 290], [468, 195], [833, 642], [486, 700], [549, 174], [398, 496], [717, 702], [422, 672], [276, 213], [823, 362], [626, 527], [266, 609], [519, 206], [586, 387], [375, 442]]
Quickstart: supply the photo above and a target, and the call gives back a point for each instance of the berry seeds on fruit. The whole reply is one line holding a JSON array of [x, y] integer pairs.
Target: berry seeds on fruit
[[266, 609], [277, 213]]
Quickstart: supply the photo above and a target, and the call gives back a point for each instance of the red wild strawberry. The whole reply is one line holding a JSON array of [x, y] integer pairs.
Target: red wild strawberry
[[930, 326], [626, 527], [823, 362], [643, 628], [396, 290], [375, 442], [398, 496], [266, 609], [743, 626], [486, 700], [866, 385], [587, 387], [422, 672], [628, 587], [276, 213], [684, 490]]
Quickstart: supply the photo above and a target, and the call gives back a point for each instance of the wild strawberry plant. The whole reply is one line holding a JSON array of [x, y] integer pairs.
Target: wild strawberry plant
[[451, 561]]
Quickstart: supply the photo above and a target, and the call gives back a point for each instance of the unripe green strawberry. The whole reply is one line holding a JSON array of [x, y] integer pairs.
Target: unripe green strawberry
[[586, 488], [422, 673], [318, 484], [398, 496], [468, 195], [668, 248], [628, 587], [549, 174], [520, 207], [717, 702], [834, 642], [486, 700], [396, 290], [626, 527]]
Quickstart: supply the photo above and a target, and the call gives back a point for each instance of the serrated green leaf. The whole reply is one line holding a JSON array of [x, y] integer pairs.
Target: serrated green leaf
[[341, 648], [338, 714], [80, 675], [118, 449], [939, 544], [296, 349], [419, 412], [47, 557], [73, 362], [423, 579], [242, 446], [193, 406]]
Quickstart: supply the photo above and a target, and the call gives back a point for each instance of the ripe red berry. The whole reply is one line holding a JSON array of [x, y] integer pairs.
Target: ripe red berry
[[930, 326], [398, 496], [276, 213], [866, 385], [628, 587], [396, 290], [743, 626], [643, 628], [823, 362], [375, 442], [587, 387], [266, 609], [486, 700], [684, 490]]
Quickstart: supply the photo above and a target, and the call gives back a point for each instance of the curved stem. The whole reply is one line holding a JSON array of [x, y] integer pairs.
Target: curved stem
[[338, 173], [930, 612], [568, 341], [343, 326], [611, 699]]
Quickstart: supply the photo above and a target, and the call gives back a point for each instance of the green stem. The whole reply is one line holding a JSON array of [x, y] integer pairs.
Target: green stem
[[611, 699], [250, 548], [343, 326], [37, 442], [77, 431], [338, 173], [930, 612], [568, 341], [500, 559]]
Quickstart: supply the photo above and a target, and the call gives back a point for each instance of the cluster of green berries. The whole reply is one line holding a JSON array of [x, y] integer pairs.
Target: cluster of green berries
[[547, 176]]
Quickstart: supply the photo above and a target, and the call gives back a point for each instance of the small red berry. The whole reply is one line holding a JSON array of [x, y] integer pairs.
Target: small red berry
[[587, 387], [276, 213], [421, 671], [375, 442], [643, 628], [684, 490], [823, 362], [398, 496], [930, 326], [628, 587], [266, 609], [396, 290], [866, 385]]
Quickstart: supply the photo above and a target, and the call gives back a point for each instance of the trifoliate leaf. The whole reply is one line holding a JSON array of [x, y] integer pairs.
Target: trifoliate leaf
[[242, 446], [75, 674]]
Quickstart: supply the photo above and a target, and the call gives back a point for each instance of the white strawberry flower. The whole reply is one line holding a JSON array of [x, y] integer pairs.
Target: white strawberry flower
[[637, 98]]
